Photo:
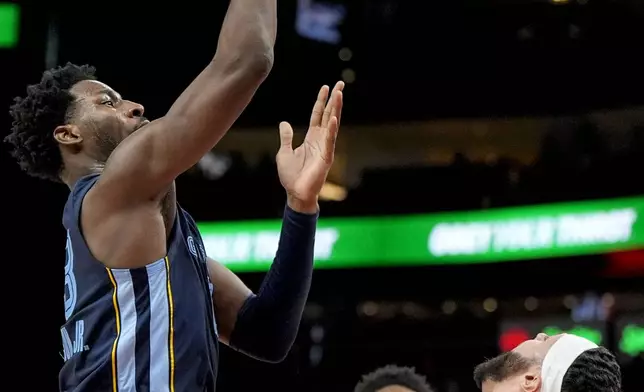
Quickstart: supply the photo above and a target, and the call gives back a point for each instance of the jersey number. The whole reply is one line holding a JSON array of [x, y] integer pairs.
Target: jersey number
[[71, 293], [70, 280]]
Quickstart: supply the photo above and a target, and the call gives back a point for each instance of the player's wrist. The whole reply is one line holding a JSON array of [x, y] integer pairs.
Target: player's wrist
[[308, 207]]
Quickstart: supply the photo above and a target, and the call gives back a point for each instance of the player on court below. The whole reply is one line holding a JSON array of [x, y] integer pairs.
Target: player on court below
[[144, 305], [558, 363], [392, 378]]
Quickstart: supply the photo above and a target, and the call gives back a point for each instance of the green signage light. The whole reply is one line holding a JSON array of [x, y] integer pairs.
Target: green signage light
[[9, 25], [542, 231], [632, 341], [591, 334]]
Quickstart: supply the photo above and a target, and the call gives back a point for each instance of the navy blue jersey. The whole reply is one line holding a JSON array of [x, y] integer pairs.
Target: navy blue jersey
[[149, 329]]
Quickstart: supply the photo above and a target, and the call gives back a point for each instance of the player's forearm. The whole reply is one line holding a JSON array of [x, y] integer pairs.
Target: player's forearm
[[248, 32], [268, 322]]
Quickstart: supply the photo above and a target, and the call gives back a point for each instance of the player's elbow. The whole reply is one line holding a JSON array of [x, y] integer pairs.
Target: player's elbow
[[254, 63], [259, 343], [260, 63], [272, 353]]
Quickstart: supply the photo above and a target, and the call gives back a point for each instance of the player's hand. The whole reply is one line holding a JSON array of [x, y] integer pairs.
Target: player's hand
[[303, 171]]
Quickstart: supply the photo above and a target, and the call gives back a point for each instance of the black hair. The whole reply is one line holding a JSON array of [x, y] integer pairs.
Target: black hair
[[594, 370], [393, 375], [35, 116]]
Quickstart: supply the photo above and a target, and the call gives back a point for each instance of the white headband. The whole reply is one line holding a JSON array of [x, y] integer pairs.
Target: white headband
[[559, 358]]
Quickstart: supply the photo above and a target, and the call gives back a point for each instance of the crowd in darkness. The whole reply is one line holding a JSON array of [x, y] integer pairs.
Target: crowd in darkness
[[577, 161]]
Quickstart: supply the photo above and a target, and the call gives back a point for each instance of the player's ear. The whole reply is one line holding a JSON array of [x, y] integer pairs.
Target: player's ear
[[67, 134], [531, 381]]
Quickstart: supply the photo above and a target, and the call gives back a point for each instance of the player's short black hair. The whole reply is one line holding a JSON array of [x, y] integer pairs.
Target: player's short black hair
[[594, 370], [393, 375], [35, 116]]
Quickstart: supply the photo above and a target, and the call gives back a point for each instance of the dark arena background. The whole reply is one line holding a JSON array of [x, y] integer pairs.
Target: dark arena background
[[507, 116]]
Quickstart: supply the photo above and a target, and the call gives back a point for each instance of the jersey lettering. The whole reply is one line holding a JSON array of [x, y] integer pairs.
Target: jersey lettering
[[76, 346], [191, 245]]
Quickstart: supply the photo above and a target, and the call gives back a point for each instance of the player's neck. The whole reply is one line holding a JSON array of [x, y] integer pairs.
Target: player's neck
[[70, 177], [77, 166]]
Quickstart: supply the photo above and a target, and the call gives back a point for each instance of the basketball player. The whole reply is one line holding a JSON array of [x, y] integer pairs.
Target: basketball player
[[144, 305], [392, 378], [559, 363]]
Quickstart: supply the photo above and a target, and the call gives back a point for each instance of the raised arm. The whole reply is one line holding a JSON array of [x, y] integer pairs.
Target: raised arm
[[145, 164], [264, 325]]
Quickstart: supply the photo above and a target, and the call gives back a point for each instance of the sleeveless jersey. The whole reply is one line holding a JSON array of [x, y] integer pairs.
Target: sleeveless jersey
[[149, 329]]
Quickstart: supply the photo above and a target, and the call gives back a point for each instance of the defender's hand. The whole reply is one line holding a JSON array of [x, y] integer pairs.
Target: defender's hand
[[303, 171]]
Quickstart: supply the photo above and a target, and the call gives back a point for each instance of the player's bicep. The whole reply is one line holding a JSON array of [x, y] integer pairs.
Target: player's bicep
[[147, 162], [229, 296]]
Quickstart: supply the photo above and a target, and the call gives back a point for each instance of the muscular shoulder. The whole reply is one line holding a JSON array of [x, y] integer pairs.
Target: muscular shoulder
[[125, 235]]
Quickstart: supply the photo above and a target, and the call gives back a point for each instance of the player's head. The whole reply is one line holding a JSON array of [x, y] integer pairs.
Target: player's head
[[69, 119], [393, 379], [559, 363]]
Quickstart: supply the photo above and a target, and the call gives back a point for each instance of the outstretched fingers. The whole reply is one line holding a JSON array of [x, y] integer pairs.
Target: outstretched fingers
[[336, 109], [286, 136], [318, 108], [331, 137], [331, 105]]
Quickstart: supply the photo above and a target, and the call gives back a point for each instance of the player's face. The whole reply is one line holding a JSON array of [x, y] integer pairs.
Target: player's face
[[530, 380], [104, 118]]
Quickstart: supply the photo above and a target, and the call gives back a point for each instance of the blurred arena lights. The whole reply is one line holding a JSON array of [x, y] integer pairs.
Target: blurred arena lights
[[449, 307], [345, 54], [348, 75], [569, 301], [490, 305], [333, 192], [511, 338], [531, 304], [213, 166], [608, 300], [9, 25], [320, 21]]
